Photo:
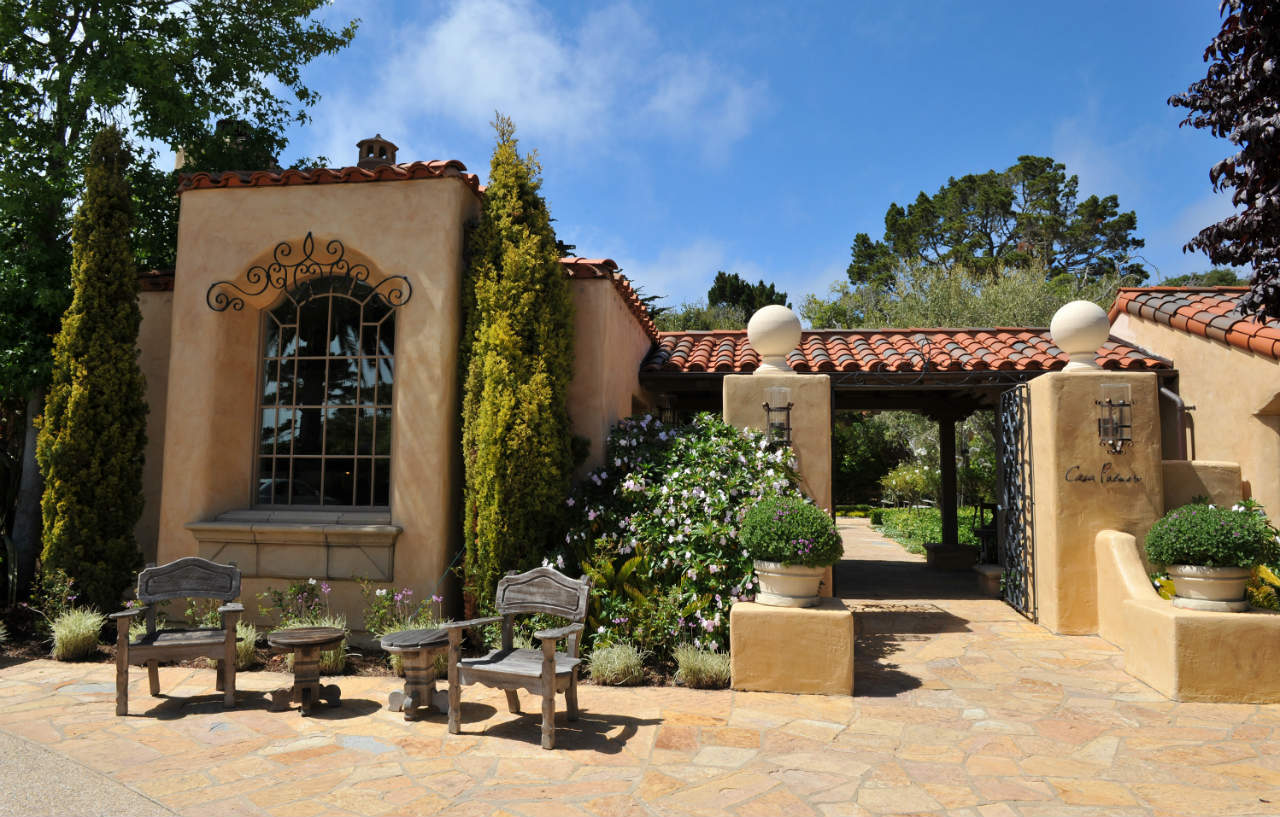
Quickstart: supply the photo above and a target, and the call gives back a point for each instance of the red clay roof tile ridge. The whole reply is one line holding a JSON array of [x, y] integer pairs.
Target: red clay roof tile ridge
[[435, 168]]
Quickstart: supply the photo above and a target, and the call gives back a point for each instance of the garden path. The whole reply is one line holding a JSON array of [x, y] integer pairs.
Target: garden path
[[962, 708]]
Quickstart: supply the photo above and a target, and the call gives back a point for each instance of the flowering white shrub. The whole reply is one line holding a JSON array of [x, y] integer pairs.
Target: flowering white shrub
[[656, 529]]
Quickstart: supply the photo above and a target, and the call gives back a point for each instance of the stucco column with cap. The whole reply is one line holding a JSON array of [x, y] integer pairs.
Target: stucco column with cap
[[1080, 486]]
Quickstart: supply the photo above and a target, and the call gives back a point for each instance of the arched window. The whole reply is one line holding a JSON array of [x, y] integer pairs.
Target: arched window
[[328, 364]]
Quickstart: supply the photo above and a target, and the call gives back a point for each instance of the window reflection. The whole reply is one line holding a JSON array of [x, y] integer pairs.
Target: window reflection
[[328, 375]]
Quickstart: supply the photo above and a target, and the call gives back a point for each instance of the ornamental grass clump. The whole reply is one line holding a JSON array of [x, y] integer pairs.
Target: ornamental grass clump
[[246, 645], [791, 530], [1209, 536], [701, 669], [656, 530], [617, 665], [76, 632]]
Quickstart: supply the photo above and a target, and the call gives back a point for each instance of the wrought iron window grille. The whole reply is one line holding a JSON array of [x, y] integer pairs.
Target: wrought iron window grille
[[291, 276]]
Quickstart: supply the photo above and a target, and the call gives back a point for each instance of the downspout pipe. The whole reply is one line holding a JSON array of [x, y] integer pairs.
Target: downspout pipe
[[1182, 408]]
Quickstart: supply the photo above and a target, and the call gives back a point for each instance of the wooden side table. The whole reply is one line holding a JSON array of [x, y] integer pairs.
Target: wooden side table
[[306, 643], [418, 650]]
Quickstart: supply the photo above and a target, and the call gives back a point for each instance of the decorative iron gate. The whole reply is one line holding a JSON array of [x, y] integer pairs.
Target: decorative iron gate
[[1016, 539]]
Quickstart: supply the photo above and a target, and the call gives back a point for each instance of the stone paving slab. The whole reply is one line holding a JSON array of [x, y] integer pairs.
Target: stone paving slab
[[962, 708]]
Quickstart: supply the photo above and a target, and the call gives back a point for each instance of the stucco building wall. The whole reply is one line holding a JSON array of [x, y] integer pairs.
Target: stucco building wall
[[608, 347], [412, 228], [1236, 394], [153, 358]]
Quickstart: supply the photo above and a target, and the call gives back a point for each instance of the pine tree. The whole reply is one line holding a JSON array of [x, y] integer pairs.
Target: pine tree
[[518, 354], [92, 436]]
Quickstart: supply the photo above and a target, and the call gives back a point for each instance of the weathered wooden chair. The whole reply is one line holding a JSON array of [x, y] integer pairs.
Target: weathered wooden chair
[[542, 672], [186, 578]]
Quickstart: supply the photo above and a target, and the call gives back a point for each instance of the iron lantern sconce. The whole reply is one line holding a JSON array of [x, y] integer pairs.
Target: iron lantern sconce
[[1115, 417], [777, 414]]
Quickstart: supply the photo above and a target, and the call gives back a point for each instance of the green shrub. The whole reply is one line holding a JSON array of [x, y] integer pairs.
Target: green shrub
[[246, 645], [297, 604], [93, 430], [701, 669], [656, 529], [911, 483], [76, 633], [790, 530], [517, 361], [877, 517], [913, 527], [616, 665], [1210, 536]]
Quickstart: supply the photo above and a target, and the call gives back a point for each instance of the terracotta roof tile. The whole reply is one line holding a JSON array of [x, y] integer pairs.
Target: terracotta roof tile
[[888, 350], [1210, 312], [588, 268], [438, 169]]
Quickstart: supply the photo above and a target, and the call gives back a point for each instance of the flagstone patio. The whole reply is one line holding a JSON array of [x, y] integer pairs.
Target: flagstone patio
[[962, 707]]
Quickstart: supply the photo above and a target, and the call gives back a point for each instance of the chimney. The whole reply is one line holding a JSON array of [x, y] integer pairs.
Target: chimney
[[375, 152]]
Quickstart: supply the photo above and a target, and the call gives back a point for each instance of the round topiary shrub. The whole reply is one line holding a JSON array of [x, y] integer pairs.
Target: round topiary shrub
[[1209, 536], [791, 531]]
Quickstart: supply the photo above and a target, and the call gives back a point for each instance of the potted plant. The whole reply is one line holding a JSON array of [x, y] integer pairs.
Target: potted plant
[[1210, 552], [792, 542]]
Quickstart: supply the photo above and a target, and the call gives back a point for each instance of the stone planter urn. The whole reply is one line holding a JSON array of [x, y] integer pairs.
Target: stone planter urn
[[788, 585], [1210, 588]]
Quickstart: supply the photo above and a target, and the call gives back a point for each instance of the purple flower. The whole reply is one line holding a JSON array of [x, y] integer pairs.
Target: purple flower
[[437, 599]]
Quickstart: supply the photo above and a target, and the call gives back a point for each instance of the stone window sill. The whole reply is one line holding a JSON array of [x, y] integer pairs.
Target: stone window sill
[[291, 544]]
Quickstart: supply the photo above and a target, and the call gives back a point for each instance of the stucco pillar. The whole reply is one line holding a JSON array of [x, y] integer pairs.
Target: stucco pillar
[[744, 398], [1081, 488]]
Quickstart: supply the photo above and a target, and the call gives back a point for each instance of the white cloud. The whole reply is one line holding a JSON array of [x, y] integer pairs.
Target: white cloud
[[680, 274], [604, 78]]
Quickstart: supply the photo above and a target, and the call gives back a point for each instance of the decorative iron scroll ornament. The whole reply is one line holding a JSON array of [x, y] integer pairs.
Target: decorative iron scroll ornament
[[286, 274]]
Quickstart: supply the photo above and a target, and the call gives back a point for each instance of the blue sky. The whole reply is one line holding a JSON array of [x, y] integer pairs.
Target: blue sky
[[683, 138]]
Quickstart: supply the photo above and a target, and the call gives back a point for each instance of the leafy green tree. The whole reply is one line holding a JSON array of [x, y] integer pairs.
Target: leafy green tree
[[518, 350], [1238, 100], [1027, 215], [696, 317], [95, 420], [934, 296], [863, 449], [732, 289], [170, 69], [1216, 277]]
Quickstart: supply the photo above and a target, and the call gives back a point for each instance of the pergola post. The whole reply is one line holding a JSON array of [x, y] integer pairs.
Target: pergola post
[[947, 501]]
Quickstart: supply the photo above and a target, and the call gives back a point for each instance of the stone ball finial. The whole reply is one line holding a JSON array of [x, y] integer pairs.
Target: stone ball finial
[[773, 331], [1079, 329]]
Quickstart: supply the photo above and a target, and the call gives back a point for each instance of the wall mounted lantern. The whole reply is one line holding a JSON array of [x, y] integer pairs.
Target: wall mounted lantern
[[1115, 417], [777, 413]]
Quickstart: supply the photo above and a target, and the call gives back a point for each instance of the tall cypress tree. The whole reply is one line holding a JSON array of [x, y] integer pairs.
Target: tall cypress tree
[[518, 351], [92, 436]]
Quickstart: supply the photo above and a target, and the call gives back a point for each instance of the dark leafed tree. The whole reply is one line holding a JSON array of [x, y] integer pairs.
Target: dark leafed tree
[[731, 289], [518, 359], [1239, 99], [95, 420], [1029, 214], [170, 70]]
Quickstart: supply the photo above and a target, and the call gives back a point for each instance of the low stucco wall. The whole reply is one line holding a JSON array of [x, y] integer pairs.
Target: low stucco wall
[[1236, 394], [608, 348], [1185, 480], [799, 650], [153, 359], [1188, 655]]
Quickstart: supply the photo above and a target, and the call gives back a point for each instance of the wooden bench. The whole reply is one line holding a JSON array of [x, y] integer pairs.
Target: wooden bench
[[186, 578], [542, 672]]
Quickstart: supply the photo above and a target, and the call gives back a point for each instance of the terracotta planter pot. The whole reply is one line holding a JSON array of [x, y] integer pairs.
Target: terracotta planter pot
[[1218, 585], [788, 585]]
